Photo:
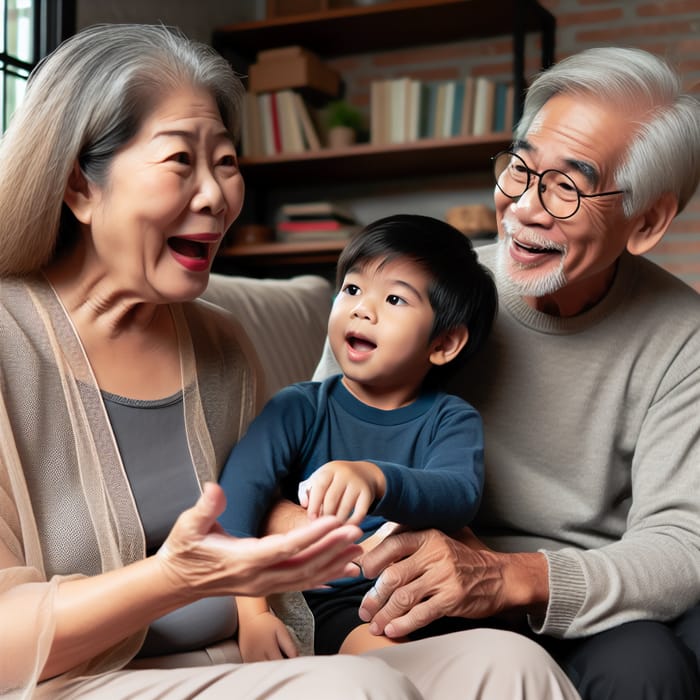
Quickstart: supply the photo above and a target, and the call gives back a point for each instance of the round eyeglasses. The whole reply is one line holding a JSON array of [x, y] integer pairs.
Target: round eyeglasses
[[558, 193]]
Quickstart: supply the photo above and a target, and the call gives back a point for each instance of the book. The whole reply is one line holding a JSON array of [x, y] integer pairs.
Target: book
[[468, 107], [439, 111], [430, 100], [311, 138], [276, 131], [313, 224], [306, 210], [483, 106], [499, 108], [379, 112], [290, 125], [265, 111], [397, 109], [412, 115], [342, 233], [446, 127], [424, 111], [457, 109], [510, 108]]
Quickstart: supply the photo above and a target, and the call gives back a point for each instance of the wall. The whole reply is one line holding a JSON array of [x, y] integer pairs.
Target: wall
[[196, 18]]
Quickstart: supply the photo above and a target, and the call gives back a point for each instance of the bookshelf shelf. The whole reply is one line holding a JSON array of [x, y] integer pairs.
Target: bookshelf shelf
[[363, 29], [365, 161]]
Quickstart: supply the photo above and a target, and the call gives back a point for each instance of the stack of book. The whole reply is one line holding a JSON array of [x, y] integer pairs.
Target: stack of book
[[277, 122], [315, 221], [405, 109], [277, 118]]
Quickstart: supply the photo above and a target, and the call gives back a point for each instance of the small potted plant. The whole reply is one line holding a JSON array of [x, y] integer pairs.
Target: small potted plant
[[344, 122]]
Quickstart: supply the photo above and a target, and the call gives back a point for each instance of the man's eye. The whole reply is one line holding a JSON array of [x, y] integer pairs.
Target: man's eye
[[395, 300], [228, 161]]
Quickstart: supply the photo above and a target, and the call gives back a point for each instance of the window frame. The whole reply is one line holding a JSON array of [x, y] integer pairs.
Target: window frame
[[53, 21]]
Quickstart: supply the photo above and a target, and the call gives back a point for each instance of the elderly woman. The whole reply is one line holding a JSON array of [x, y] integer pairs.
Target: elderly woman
[[121, 395]]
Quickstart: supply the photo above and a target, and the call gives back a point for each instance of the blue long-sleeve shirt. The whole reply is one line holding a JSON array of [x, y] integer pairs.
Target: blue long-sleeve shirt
[[430, 452]]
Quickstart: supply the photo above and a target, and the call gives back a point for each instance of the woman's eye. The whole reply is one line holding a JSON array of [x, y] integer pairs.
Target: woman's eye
[[182, 158], [395, 300]]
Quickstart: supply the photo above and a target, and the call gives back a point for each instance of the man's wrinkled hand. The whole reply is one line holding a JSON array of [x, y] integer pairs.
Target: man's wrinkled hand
[[426, 575]]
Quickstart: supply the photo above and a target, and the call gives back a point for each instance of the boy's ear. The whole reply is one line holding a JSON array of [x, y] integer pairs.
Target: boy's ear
[[651, 225], [448, 345], [78, 195]]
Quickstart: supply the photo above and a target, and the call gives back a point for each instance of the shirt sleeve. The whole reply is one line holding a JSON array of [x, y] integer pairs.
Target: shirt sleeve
[[444, 490], [261, 459]]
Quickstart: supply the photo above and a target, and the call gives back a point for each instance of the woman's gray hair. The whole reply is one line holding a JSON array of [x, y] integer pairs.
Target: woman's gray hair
[[664, 153], [82, 104]]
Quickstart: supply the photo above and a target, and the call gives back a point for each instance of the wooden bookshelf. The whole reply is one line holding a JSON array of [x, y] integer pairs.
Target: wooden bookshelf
[[367, 162], [363, 29]]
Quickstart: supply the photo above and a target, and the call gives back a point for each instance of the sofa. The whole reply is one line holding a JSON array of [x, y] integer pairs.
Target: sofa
[[286, 321]]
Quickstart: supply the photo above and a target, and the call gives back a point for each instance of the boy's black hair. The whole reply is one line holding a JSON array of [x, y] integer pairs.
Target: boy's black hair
[[461, 292]]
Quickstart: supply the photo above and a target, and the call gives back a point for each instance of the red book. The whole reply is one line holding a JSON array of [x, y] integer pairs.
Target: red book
[[311, 225], [276, 129]]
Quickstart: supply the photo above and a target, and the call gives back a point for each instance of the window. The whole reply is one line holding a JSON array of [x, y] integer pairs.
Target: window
[[29, 29]]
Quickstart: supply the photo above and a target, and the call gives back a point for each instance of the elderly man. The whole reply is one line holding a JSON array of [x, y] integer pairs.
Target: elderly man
[[589, 531]]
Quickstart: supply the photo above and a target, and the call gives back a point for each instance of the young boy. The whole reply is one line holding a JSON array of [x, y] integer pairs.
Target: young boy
[[378, 442]]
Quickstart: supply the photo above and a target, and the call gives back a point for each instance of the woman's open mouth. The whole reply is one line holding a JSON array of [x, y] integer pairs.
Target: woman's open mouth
[[194, 252], [189, 248]]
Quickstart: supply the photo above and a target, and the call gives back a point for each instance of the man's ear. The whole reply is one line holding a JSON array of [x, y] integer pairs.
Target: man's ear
[[78, 195], [650, 226], [448, 345]]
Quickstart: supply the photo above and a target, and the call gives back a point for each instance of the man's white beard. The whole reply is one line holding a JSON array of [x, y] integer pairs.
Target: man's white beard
[[526, 280]]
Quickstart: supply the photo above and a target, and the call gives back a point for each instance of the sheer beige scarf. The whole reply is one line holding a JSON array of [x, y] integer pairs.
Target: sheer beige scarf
[[65, 505]]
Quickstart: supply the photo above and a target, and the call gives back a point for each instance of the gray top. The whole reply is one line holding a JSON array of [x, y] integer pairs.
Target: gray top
[[153, 447]]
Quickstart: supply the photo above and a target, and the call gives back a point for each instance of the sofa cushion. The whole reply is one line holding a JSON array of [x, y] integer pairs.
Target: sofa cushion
[[285, 319]]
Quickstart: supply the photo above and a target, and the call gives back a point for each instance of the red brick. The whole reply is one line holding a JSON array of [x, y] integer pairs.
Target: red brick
[[589, 17], [627, 33], [670, 7]]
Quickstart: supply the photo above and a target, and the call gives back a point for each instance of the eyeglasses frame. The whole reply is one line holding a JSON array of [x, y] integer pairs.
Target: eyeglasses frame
[[530, 172]]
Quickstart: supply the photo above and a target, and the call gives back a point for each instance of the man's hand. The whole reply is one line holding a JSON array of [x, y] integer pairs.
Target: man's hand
[[344, 489], [427, 575]]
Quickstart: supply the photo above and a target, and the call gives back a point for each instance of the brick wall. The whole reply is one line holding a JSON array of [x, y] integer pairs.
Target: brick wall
[[669, 28]]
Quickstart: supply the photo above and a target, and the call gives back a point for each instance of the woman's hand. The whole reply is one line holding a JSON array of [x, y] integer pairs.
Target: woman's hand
[[427, 575], [199, 559], [342, 488]]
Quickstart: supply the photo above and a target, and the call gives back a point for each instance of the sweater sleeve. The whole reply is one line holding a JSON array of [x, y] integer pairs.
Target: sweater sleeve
[[445, 489], [262, 458], [653, 571]]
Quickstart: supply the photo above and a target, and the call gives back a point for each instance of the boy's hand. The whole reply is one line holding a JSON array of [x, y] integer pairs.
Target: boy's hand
[[342, 488], [263, 637]]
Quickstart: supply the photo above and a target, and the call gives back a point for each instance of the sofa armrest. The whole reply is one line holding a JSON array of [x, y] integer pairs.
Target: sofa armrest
[[286, 321]]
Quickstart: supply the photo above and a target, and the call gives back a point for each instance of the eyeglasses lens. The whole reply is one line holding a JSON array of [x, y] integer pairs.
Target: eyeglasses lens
[[557, 191]]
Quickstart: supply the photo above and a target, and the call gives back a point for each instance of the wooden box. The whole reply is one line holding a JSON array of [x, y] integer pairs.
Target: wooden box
[[293, 67]]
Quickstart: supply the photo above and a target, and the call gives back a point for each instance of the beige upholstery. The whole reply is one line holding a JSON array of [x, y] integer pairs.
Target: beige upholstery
[[285, 319]]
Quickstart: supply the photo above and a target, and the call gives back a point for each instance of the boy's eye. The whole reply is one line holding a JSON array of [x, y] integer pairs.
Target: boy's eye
[[395, 300], [351, 289]]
